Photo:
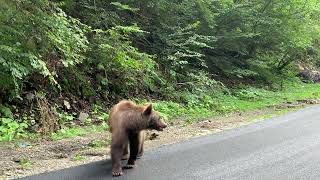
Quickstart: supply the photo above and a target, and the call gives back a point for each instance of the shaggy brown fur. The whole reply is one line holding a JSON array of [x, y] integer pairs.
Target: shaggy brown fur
[[127, 122]]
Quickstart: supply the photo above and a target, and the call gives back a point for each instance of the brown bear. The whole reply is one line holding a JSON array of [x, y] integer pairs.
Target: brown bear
[[127, 122]]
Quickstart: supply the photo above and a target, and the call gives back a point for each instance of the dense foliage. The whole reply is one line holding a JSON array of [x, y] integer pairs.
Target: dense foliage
[[80, 52]]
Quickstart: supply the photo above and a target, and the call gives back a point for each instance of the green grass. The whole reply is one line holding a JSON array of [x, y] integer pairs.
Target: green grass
[[98, 144], [270, 98], [77, 157], [77, 131], [25, 163], [239, 100], [68, 133], [271, 115]]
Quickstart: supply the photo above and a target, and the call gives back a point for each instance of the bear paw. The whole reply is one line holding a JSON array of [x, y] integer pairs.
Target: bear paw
[[117, 173]]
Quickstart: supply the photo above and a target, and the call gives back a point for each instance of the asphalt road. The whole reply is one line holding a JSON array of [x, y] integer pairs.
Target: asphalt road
[[286, 147]]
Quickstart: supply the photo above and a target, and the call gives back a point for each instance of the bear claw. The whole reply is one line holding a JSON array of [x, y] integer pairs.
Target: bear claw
[[130, 166]]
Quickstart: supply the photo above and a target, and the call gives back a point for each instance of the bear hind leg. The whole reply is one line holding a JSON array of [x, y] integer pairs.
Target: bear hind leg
[[134, 149]]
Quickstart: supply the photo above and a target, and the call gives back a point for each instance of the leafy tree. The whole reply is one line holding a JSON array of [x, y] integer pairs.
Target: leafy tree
[[37, 39]]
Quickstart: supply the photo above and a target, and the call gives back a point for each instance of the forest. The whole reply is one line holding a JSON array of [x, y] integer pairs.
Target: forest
[[63, 63]]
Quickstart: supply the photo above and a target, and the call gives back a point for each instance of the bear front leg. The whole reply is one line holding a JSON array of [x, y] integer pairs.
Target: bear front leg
[[141, 141], [116, 154], [134, 149]]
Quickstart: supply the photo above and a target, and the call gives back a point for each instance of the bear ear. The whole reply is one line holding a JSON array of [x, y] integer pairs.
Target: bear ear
[[148, 110]]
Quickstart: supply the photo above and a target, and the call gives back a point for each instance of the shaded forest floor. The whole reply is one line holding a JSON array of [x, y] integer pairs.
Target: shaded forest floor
[[23, 158]]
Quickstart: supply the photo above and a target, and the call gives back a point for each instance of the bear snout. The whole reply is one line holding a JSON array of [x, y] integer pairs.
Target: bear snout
[[162, 126]]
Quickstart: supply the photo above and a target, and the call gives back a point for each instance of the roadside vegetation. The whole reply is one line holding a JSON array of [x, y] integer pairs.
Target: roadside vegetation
[[63, 63]]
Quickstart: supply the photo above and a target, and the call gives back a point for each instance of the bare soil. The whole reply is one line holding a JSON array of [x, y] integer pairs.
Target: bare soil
[[44, 155]]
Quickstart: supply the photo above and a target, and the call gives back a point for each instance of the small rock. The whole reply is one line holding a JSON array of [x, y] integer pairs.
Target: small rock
[[30, 96], [66, 104], [83, 116], [16, 160], [94, 154], [291, 105], [61, 156], [203, 133], [205, 124], [23, 144], [313, 102]]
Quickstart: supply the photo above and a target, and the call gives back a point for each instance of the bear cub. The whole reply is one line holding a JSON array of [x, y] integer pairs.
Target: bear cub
[[127, 122]]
